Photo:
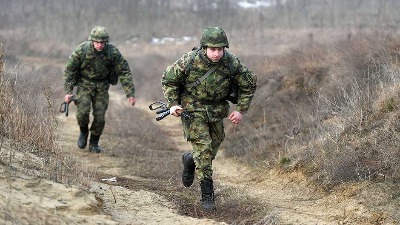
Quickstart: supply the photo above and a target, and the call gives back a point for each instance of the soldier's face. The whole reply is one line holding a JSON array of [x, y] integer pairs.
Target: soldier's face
[[99, 45], [215, 54]]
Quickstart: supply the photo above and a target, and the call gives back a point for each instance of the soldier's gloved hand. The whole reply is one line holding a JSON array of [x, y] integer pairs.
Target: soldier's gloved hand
[[176, 110], [67, 98]]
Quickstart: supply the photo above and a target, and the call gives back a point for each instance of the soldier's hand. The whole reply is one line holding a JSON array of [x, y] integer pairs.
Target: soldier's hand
[[67, 98], [235, 117], [176, 110], [132, 100]]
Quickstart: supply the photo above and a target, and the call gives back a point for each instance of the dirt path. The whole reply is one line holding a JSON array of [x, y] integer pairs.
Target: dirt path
[[289, 198], [126, 206]]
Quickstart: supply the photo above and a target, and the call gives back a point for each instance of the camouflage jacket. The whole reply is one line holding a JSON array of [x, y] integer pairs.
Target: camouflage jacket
[[208, 96], [95, 67]]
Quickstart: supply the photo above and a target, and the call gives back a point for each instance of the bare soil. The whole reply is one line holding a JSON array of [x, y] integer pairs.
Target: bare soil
[[121, 195], [117, 198]]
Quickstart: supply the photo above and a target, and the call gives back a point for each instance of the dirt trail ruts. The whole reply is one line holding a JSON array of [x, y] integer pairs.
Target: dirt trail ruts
[[291, 197], [126, 206]]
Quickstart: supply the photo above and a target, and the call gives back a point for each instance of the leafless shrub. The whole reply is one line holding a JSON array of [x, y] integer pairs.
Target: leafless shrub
[[341, 126], [351, 141], [29, 123]]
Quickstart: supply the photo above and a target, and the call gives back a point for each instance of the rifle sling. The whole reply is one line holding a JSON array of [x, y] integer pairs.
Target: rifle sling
[[198, 81]]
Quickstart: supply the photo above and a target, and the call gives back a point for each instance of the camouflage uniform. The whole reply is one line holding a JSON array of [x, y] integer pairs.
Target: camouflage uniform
[[206, 102], [89, 70]]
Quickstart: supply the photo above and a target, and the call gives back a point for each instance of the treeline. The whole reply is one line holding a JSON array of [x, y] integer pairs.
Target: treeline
[[65, 20]]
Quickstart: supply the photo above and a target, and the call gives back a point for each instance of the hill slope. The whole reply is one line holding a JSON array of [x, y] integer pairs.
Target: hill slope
[[287, 198]]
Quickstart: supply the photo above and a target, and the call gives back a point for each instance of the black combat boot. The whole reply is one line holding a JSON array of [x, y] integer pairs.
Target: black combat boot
[[94, 143], [188, 169], [207, 195], [83, 136]]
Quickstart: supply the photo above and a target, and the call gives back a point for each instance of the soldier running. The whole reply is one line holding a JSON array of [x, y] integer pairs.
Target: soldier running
[[92, 67], [199, 83]]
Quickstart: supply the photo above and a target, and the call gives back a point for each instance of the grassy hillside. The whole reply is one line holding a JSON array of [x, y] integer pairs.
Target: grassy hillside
[[329, 110], [326, 103]]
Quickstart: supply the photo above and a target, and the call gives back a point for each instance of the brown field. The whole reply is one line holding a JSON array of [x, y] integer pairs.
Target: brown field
[[319, 145]]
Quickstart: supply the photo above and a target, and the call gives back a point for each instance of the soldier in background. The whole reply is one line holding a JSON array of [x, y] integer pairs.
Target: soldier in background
[[199, 83], [91, 67]]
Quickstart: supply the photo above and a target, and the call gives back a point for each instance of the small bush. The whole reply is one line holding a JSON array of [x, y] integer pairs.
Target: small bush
[[28, 122], [340, 127]]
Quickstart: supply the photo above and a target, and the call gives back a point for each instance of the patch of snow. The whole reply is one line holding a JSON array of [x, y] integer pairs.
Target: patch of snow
[[254, 4], [164, 40]]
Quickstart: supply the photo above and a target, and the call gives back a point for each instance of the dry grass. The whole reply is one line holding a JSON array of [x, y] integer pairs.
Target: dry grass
[[139, 146], [330, 109], [28, 116]]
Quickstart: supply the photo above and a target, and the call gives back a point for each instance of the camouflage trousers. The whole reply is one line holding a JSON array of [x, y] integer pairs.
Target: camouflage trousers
[[205, 137], [93, 95]]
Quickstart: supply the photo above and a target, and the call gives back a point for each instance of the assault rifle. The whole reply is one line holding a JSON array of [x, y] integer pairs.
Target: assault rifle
[[65, 106], [163, 110]]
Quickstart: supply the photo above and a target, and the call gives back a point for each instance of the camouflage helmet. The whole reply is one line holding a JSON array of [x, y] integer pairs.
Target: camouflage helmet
[[99, 34], [214, 37]]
